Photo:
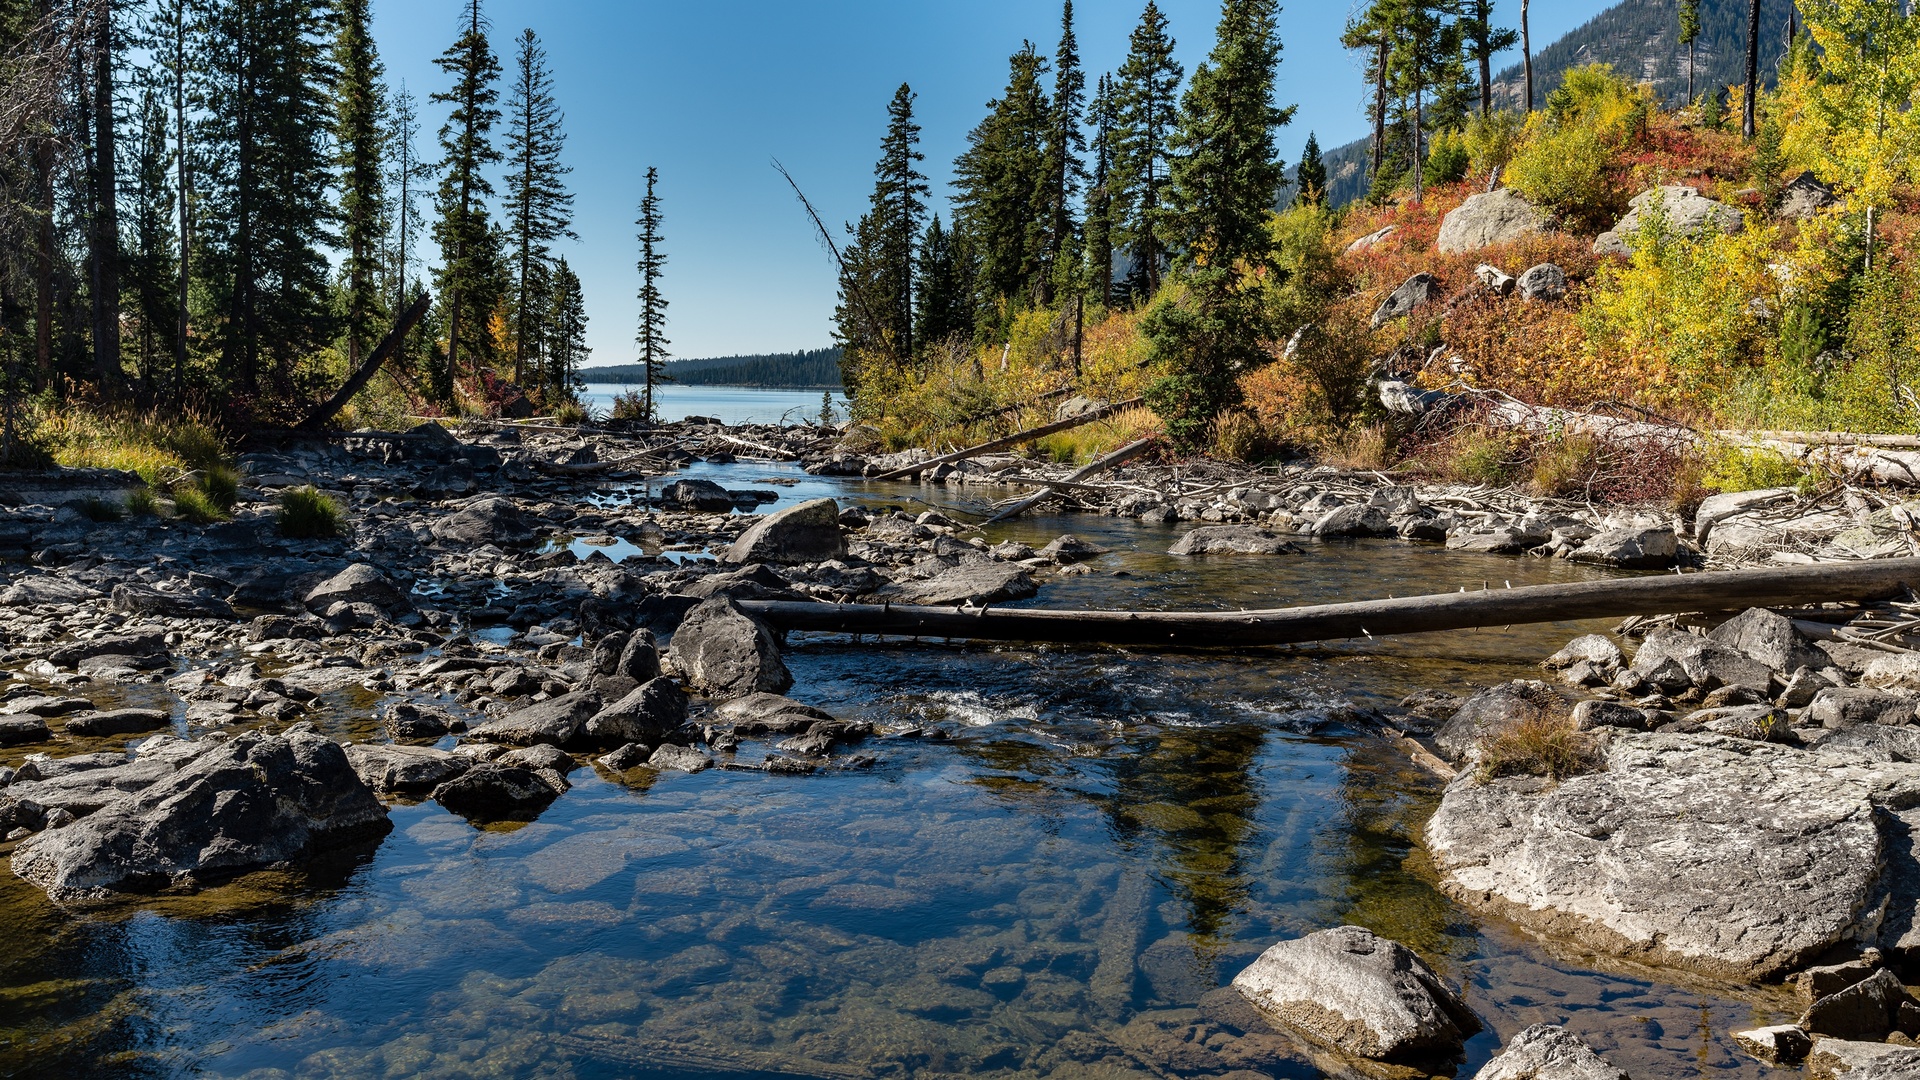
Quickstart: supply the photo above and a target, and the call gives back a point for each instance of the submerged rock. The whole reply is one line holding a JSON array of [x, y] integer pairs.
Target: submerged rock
[[237, 805], [972, 583], [1361, 993]]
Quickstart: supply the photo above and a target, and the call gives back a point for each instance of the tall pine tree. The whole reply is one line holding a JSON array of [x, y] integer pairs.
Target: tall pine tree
[[1064, 150], [469, 277], [1485, 41], [539, 208], [1149, 82], [941, 290], [876, 315], [566, 333], [360, 148], [1000, 184], [1103, 117], [1311, 177], [652, 336], [149, 256]]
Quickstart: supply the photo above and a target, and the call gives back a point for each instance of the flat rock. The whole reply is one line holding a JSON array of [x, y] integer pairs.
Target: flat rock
[[139, 643], [46, 589], [1845, 707], [117, 722], [1842, 1059], [1735, 859], [555, 722], [147, 600], [680, 758], [726, 653], [808, 532], [971, 584], [1070, 549], [1633, 549], [17, 730], [1231, 540], [1548, 1052], [1780, 1044], [248, 802], [404, 770], [1360, 993]]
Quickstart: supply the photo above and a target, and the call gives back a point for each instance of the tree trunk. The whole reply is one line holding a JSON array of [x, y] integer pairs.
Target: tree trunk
[[1526, 52], [106, 224], [1486, 82], [43, 265], [1419, 172], [1380, 105], [185, 225], [1692, 49], [1747, 128], [388, 347]]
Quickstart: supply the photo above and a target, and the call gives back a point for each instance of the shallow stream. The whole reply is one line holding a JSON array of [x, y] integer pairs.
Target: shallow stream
[[1107, 837]]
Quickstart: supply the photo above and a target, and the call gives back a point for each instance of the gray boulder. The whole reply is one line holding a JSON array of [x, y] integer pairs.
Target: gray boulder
[[237, 805], [972, 584], [1493, 710], [1634, 549], [726, 653], [1492, 217], [361, 583], [556, 721], [1548, 1052], [702, 495], [1543, 282], [1778, 1044], [404, 770], [647, 715], [19, 730], [1354, 519], [1762, 723], [492, 791], [491, 520], [1360, 993], [1593, 713], [1869, 742], [117, 722], [1769, 638], [137, 643], [46, 589], [1231, 540], [1845, 707], [146, 600], [1705, 663], [1499, 541], [1868, 1009], [1803, 197], [1845, 1059], [679, 758], [808, 532], [1687, 212], [1730, 858], [1596, 649], [1418, 291]]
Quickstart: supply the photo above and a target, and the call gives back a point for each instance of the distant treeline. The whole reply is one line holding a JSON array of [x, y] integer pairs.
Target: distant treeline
[[813, 369]]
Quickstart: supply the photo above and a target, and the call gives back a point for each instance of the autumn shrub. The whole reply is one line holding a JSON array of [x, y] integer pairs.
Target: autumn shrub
[[1491, 139], [1239, 436], [629, 404], [1318, 386], [570, 411], [1447, 158], [1568, 159], [1545, 746], [1368, 448]]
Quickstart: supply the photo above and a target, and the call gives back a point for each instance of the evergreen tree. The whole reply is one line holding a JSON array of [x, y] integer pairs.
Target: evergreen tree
[[1103, 117], [150, 257], [1425, 57], [899, 206], [360, 144], [1148, 82], [1311, 177], [169, 40], [1000, 184], [1484, 41], [539, 208], [469, 277], [1747, 129], [942, 310], [96, 100], [567, 333], [407, 175], [1065, 171], [1371, 31], [1690, 37], [652, 337]]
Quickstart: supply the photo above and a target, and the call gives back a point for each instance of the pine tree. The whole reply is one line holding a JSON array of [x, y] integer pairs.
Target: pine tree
[[1148, 81], [103, 210], [941, 294], [1226, 173], [1690, 37], [1371, 31], [652, 337], [1485, 41], [567, 333], [1311, 177], [1425, 57], [169, 41], [1747, 129], [1103, 117], [1065, 171], [899, 205], [1000, 184], [469, 274], [407, 176], [149, 256], [360, 145], [539, 208]]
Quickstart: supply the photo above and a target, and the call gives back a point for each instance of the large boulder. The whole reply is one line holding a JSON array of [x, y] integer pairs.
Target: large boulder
[[1634, 549], [117, 722], [1769, 638], [1492, 217], [494, 791], [647, 715], [1686, 212], [491, 520], [702, 495], [555, 722], [1417, 291], [1360, 993], [1847, 707], [1548, 1052], [1803, 197], [1543, 282], [808, 532], [404, 770], [1354, 519], [361, 583], [237, 805], [1492, 711], [1231, 540], [1735, 859], [726, 653], [1700, 661]]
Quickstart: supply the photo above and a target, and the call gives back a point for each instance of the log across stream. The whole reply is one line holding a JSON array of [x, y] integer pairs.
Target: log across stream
[[1653, 595]]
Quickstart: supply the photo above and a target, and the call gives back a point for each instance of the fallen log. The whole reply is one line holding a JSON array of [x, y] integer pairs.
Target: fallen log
[[1726, 590], [382, 352], [1095, 468], [1014, 439]]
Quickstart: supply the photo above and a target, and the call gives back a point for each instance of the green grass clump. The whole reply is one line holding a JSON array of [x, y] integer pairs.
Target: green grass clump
[[1735, 469], [142, 502], [197, 506], [158, 450], [570, 412], [305, 514], [220, 485]]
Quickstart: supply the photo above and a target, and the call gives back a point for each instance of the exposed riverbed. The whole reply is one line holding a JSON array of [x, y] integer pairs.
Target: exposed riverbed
[[1105, 839]]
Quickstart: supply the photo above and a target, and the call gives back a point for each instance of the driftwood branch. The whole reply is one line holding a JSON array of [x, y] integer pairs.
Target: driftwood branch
[[1099, 465], [1606, 599], [381, 354], [1014, 439]]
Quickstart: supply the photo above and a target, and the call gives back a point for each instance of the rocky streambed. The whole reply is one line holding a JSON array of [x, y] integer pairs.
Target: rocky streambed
[[506, 781]]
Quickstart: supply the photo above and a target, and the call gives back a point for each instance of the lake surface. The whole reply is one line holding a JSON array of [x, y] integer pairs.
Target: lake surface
[[731, 404], [1107, 837]]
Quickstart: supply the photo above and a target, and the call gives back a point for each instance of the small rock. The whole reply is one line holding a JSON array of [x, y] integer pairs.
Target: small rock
[[16, 730], [1548, 1052], [1781, 1044], [1361, 993], [1071, 549], [117, 722], [1231, 540], [361, 583], [555, 722], [1844, 1059], [1358, 519], [626, 757], [1591, 714], [540, 757], [1634, 549], [681, 758], [1817, 982], [1543, 282], [491, 791], [1487, 218]]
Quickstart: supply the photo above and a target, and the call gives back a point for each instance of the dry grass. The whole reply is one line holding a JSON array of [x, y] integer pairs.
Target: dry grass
[[1548, 746]]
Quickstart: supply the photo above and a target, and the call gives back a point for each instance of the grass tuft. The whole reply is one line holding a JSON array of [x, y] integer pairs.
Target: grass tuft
[[306, 514], [197, 506], [142, 502], [1548, 746]]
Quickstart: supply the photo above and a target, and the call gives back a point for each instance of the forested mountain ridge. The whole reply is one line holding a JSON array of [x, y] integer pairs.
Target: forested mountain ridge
[[810, 369], [1640, 39]]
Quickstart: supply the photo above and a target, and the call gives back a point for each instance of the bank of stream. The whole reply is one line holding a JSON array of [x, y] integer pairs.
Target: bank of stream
[[1058, 887]]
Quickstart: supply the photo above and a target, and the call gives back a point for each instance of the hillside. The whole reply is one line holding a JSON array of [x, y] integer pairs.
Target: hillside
[[1639, 38], [812, 369]]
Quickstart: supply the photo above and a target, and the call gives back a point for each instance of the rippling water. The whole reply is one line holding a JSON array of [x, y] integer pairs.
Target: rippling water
[[1107, 838]]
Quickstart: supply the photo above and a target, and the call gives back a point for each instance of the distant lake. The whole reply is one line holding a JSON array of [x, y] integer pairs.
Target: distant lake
[[731, 404]]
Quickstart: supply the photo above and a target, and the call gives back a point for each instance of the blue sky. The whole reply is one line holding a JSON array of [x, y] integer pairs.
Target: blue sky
[[711, 90]]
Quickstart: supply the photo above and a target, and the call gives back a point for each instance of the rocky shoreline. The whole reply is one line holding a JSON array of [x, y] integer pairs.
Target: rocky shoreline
[[1745, 814]]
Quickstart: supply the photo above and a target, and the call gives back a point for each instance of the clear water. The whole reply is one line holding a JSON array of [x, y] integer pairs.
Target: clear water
[[1107, 838], [732, 404]]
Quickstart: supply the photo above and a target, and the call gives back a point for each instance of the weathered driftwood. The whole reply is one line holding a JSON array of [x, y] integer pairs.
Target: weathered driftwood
[[772, 452], [381, 354], [591, 468], [1603, 599], [1827, 438], [1095, 468], [1014, 439]]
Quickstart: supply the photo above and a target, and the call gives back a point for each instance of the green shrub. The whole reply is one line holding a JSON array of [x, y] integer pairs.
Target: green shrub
[[629, 404], [306, 514], [220, 485], [1447, 158], [196, 506], [1491, 139], [571, 412], [1568, 170], [1735, 468]]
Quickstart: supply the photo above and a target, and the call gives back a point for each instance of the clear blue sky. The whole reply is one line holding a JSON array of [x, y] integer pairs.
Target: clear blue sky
[[711, 90]]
